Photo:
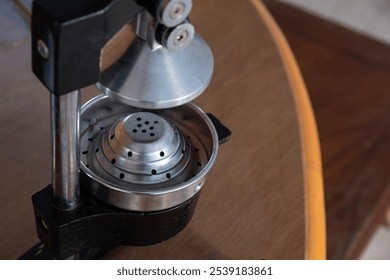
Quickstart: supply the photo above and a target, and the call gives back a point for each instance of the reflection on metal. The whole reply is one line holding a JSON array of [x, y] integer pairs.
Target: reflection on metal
[[65, 121]]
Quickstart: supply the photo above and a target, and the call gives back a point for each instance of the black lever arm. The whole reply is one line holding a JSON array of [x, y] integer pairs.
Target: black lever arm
[[67, 38]]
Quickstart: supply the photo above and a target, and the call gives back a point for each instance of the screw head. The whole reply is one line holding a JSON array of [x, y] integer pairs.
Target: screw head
[[181, 37], [177, 38], [42, 48]]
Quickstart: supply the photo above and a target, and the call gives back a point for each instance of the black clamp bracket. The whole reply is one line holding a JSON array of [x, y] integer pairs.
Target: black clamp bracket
[[94, 225]]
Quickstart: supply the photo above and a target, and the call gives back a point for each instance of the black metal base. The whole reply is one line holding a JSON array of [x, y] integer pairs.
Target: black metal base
[[94, 224]]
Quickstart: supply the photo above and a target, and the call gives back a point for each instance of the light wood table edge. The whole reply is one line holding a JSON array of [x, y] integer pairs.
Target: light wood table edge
[[315, 247]]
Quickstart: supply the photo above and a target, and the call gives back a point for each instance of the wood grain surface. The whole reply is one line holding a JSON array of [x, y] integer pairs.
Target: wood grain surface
[[252, 206], [347, 76]]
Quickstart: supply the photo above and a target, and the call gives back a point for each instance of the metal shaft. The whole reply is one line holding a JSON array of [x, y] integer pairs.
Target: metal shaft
[[65, 122]]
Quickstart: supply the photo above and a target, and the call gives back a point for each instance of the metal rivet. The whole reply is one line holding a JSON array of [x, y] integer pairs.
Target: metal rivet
[[43, 224], [181, 37], [177, 11], [43, 49]]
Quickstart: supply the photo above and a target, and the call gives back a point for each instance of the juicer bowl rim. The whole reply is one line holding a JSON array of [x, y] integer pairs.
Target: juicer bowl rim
[[156, 200]]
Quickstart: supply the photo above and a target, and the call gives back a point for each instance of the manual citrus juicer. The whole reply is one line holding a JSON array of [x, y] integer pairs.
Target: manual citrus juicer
[[129, 165]]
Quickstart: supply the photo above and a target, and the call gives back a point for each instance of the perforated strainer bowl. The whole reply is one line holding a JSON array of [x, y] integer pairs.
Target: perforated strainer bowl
[[145, 160]]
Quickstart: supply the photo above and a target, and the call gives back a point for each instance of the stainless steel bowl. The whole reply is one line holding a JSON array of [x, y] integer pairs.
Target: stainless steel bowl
[[145, 160]]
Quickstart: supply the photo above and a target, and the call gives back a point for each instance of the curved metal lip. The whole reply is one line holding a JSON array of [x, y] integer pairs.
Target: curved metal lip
[[153, 105], [155, 200]]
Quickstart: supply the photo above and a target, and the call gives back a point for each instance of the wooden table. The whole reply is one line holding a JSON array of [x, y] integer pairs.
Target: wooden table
[[347, 75], [263, 198]]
